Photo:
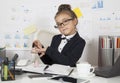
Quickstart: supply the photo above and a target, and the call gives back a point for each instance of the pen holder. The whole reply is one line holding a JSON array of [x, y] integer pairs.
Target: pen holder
[[8, 70]]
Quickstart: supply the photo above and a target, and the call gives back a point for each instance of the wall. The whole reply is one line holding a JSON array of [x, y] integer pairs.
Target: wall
[[100, 17]]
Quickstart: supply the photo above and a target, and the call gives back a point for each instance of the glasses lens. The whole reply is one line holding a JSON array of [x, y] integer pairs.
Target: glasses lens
[[65, 22]]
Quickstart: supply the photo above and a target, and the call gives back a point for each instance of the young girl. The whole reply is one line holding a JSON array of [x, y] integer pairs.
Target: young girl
[[67, 47]]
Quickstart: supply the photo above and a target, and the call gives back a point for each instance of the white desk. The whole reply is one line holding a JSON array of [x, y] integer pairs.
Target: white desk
[[97, 79], [24, 78]]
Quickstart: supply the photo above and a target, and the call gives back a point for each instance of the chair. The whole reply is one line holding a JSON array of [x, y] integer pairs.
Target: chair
[[44, 36]]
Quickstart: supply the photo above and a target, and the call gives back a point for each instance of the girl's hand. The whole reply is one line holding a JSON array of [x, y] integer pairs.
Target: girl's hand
[[35, 50], [37, 44], [42, 51]]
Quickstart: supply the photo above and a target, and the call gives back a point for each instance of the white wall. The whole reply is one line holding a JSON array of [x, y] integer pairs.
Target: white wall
[[18, 14]]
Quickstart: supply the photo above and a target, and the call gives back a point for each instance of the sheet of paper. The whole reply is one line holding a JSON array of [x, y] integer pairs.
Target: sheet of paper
[[33, 68], [58, 69]]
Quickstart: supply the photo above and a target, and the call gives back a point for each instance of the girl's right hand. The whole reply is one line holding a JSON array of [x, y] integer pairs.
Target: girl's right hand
[[37, 44]]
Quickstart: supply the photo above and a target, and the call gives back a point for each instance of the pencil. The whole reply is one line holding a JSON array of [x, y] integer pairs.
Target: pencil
[[11, 75]]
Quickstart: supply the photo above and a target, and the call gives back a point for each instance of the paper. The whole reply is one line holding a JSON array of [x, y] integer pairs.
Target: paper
[[58, 69], [78, 12], [30, 29], [32, 68], [52, 69]]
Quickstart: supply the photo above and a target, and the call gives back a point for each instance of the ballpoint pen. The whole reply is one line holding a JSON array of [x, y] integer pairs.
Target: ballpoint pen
[[70, 72], [46, 67]]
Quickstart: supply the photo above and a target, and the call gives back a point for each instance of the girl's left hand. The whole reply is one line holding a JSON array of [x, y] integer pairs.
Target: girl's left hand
[[42, 51]]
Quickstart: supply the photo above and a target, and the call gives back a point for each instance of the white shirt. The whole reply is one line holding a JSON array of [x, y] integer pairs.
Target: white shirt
[[64, 41]]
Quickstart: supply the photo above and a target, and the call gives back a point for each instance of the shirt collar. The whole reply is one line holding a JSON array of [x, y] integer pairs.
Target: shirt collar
[[68, 37]]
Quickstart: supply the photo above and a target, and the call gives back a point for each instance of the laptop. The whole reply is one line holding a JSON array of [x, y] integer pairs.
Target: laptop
[[109, 71]]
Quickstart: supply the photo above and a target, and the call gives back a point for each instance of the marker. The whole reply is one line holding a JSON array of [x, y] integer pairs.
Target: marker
[[5, 69], [5, 72]]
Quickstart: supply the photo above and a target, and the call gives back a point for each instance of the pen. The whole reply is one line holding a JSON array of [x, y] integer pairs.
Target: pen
[[46, 67], [70, 72]]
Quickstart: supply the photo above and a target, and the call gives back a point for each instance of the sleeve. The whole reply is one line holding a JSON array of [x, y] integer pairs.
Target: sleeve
[[46, 59]]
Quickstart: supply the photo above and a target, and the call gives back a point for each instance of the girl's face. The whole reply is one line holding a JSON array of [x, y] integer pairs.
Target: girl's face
[[66, 24]]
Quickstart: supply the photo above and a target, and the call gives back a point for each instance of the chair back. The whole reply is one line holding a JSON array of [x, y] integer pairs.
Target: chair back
[[44, 36]]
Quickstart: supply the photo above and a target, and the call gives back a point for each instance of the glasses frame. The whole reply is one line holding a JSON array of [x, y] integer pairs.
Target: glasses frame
[[65, 22]]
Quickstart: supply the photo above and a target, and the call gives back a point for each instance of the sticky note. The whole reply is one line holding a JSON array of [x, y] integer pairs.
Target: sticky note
[[30, 29], [78, 12]]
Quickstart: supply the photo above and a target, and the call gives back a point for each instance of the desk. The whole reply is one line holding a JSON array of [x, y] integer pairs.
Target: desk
[[24, 78], [97, 79]]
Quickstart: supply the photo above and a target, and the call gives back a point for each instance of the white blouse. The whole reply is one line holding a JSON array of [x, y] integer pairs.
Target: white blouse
[[64, 41]]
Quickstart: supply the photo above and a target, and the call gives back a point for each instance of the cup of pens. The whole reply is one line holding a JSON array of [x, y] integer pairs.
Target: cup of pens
[[7, 70]]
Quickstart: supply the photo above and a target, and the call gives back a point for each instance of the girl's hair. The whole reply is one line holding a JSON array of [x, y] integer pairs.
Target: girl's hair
[[66, 8]]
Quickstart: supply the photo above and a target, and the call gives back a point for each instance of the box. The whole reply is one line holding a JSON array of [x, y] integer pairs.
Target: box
[[7, 70]]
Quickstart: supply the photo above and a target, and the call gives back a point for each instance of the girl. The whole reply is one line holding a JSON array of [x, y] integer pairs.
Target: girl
[[66, 48]]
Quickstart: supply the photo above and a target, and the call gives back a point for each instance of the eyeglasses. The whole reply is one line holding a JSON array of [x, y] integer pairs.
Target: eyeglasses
[[65, 22]]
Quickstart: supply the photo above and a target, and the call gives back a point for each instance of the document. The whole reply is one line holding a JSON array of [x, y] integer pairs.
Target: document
[[32, 68], [59, 69], [56, 69]]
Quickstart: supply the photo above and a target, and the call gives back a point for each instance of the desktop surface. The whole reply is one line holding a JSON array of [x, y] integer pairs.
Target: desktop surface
[[25, 78]]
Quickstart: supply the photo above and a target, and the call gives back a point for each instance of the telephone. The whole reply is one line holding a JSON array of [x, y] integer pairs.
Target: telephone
[[22, 62]]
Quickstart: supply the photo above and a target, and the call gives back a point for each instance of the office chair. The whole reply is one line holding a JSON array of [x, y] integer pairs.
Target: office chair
[[110, 71], [45, 37]]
